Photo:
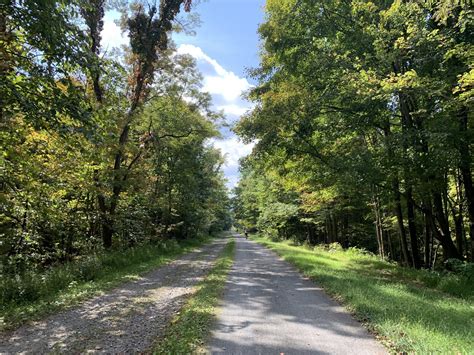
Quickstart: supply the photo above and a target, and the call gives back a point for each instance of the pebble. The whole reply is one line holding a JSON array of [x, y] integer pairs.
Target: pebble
[[110, 320]]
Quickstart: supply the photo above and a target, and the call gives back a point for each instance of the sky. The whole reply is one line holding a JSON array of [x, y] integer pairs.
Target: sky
[[225, 45]]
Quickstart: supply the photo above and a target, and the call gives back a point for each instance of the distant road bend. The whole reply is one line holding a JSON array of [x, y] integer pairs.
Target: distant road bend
[[269, 308]]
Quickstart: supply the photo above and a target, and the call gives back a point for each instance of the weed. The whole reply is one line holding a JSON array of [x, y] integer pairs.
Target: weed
[[187, 333]]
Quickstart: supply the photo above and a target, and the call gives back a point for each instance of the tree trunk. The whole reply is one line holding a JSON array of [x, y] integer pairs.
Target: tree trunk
[[412, 229], [326, 232], [107, 233], [345, 231], [401, 227], [458, 230], [465, 167], [456, 208], [335, 238], [407, 126], [389, 243], [397, 201], [444, 234], [428, 240], [378, 227]]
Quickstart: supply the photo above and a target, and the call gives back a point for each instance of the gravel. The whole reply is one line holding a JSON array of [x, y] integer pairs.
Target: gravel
[[127, 319]]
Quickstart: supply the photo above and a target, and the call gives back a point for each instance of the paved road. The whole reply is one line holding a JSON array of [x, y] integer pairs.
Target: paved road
[[126, 320], [269, 308]]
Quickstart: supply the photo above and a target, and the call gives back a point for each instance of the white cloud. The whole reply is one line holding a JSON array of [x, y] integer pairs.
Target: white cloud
[[233, 149], [229, 86], [226, 88], [224, 83], [233, 109], [112, 34]]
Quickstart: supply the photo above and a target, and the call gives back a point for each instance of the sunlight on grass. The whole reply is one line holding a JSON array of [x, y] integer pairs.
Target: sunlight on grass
[[188, 331], [409, 310]]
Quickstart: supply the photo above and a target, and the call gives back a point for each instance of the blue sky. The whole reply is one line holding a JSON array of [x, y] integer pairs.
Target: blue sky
[[225, 45], [228, 32]]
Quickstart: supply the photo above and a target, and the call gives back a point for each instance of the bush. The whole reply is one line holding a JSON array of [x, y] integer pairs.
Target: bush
[[359, 251], [333, 247], [463, 269], [30, 286]]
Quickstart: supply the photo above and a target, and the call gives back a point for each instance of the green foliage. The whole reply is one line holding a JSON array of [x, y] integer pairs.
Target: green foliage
[[363, 115], [42, 48], [409, 310], [98, 150], [463, 269]]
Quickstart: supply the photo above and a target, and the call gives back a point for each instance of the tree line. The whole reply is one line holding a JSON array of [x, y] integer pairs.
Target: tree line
[[363, 128], [101, 148]]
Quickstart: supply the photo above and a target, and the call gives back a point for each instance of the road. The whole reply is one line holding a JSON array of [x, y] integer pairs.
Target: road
[[125, 320], [269, 308]]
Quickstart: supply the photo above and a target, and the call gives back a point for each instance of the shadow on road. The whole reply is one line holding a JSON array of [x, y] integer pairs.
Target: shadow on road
[[268, 308]]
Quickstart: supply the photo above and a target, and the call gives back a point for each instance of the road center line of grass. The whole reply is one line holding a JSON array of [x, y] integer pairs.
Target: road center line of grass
[[188, 331], [407, 315]]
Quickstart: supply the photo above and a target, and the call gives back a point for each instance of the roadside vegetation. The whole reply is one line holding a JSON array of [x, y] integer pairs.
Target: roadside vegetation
[[414, 311], [105, 157], [188, 332], [35, 294]]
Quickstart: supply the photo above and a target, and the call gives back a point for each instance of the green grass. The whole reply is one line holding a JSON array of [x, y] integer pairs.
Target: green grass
[[35, 295], [408, 310], [187, 333]]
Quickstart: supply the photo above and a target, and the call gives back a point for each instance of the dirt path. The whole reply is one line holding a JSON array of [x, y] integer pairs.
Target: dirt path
[[269, 308], [127, 319]]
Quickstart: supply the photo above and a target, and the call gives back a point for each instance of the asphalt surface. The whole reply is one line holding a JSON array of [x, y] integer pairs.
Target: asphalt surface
[[269, 308]]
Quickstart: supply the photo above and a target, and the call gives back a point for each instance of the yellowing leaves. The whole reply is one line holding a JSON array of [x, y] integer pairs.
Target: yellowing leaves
[[401, 82], [465, 89]]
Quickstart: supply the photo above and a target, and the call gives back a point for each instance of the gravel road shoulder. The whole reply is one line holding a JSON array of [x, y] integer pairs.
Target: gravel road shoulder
[[126, 319]]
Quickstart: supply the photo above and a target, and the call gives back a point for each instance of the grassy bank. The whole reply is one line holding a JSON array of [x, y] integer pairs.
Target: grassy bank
[[187, 333], [35, 294], [409, 310]]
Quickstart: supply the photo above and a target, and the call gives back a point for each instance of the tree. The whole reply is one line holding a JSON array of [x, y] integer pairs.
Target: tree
[[90, 142], [361, 99]]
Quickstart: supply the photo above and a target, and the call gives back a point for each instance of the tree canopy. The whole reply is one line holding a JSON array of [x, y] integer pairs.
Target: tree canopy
[[363, 123], [101, 150]]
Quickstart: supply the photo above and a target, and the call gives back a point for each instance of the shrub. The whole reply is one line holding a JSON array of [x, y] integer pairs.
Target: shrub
[[333, 247], [464, 269]]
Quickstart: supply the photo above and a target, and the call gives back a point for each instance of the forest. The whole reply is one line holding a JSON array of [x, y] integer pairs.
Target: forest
[[351, 229], [101, 149], [363, 125]]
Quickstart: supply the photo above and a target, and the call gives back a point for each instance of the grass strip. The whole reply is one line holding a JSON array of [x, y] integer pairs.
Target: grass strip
[[188, 331], [402, 307], [36, 295]]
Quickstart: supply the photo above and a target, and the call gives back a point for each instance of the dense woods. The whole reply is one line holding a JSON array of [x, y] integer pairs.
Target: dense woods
[[101, 149], [113, 199], [363, 123]]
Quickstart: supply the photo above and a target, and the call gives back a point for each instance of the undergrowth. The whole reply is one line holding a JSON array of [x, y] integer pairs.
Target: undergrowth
[[33, 294]]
